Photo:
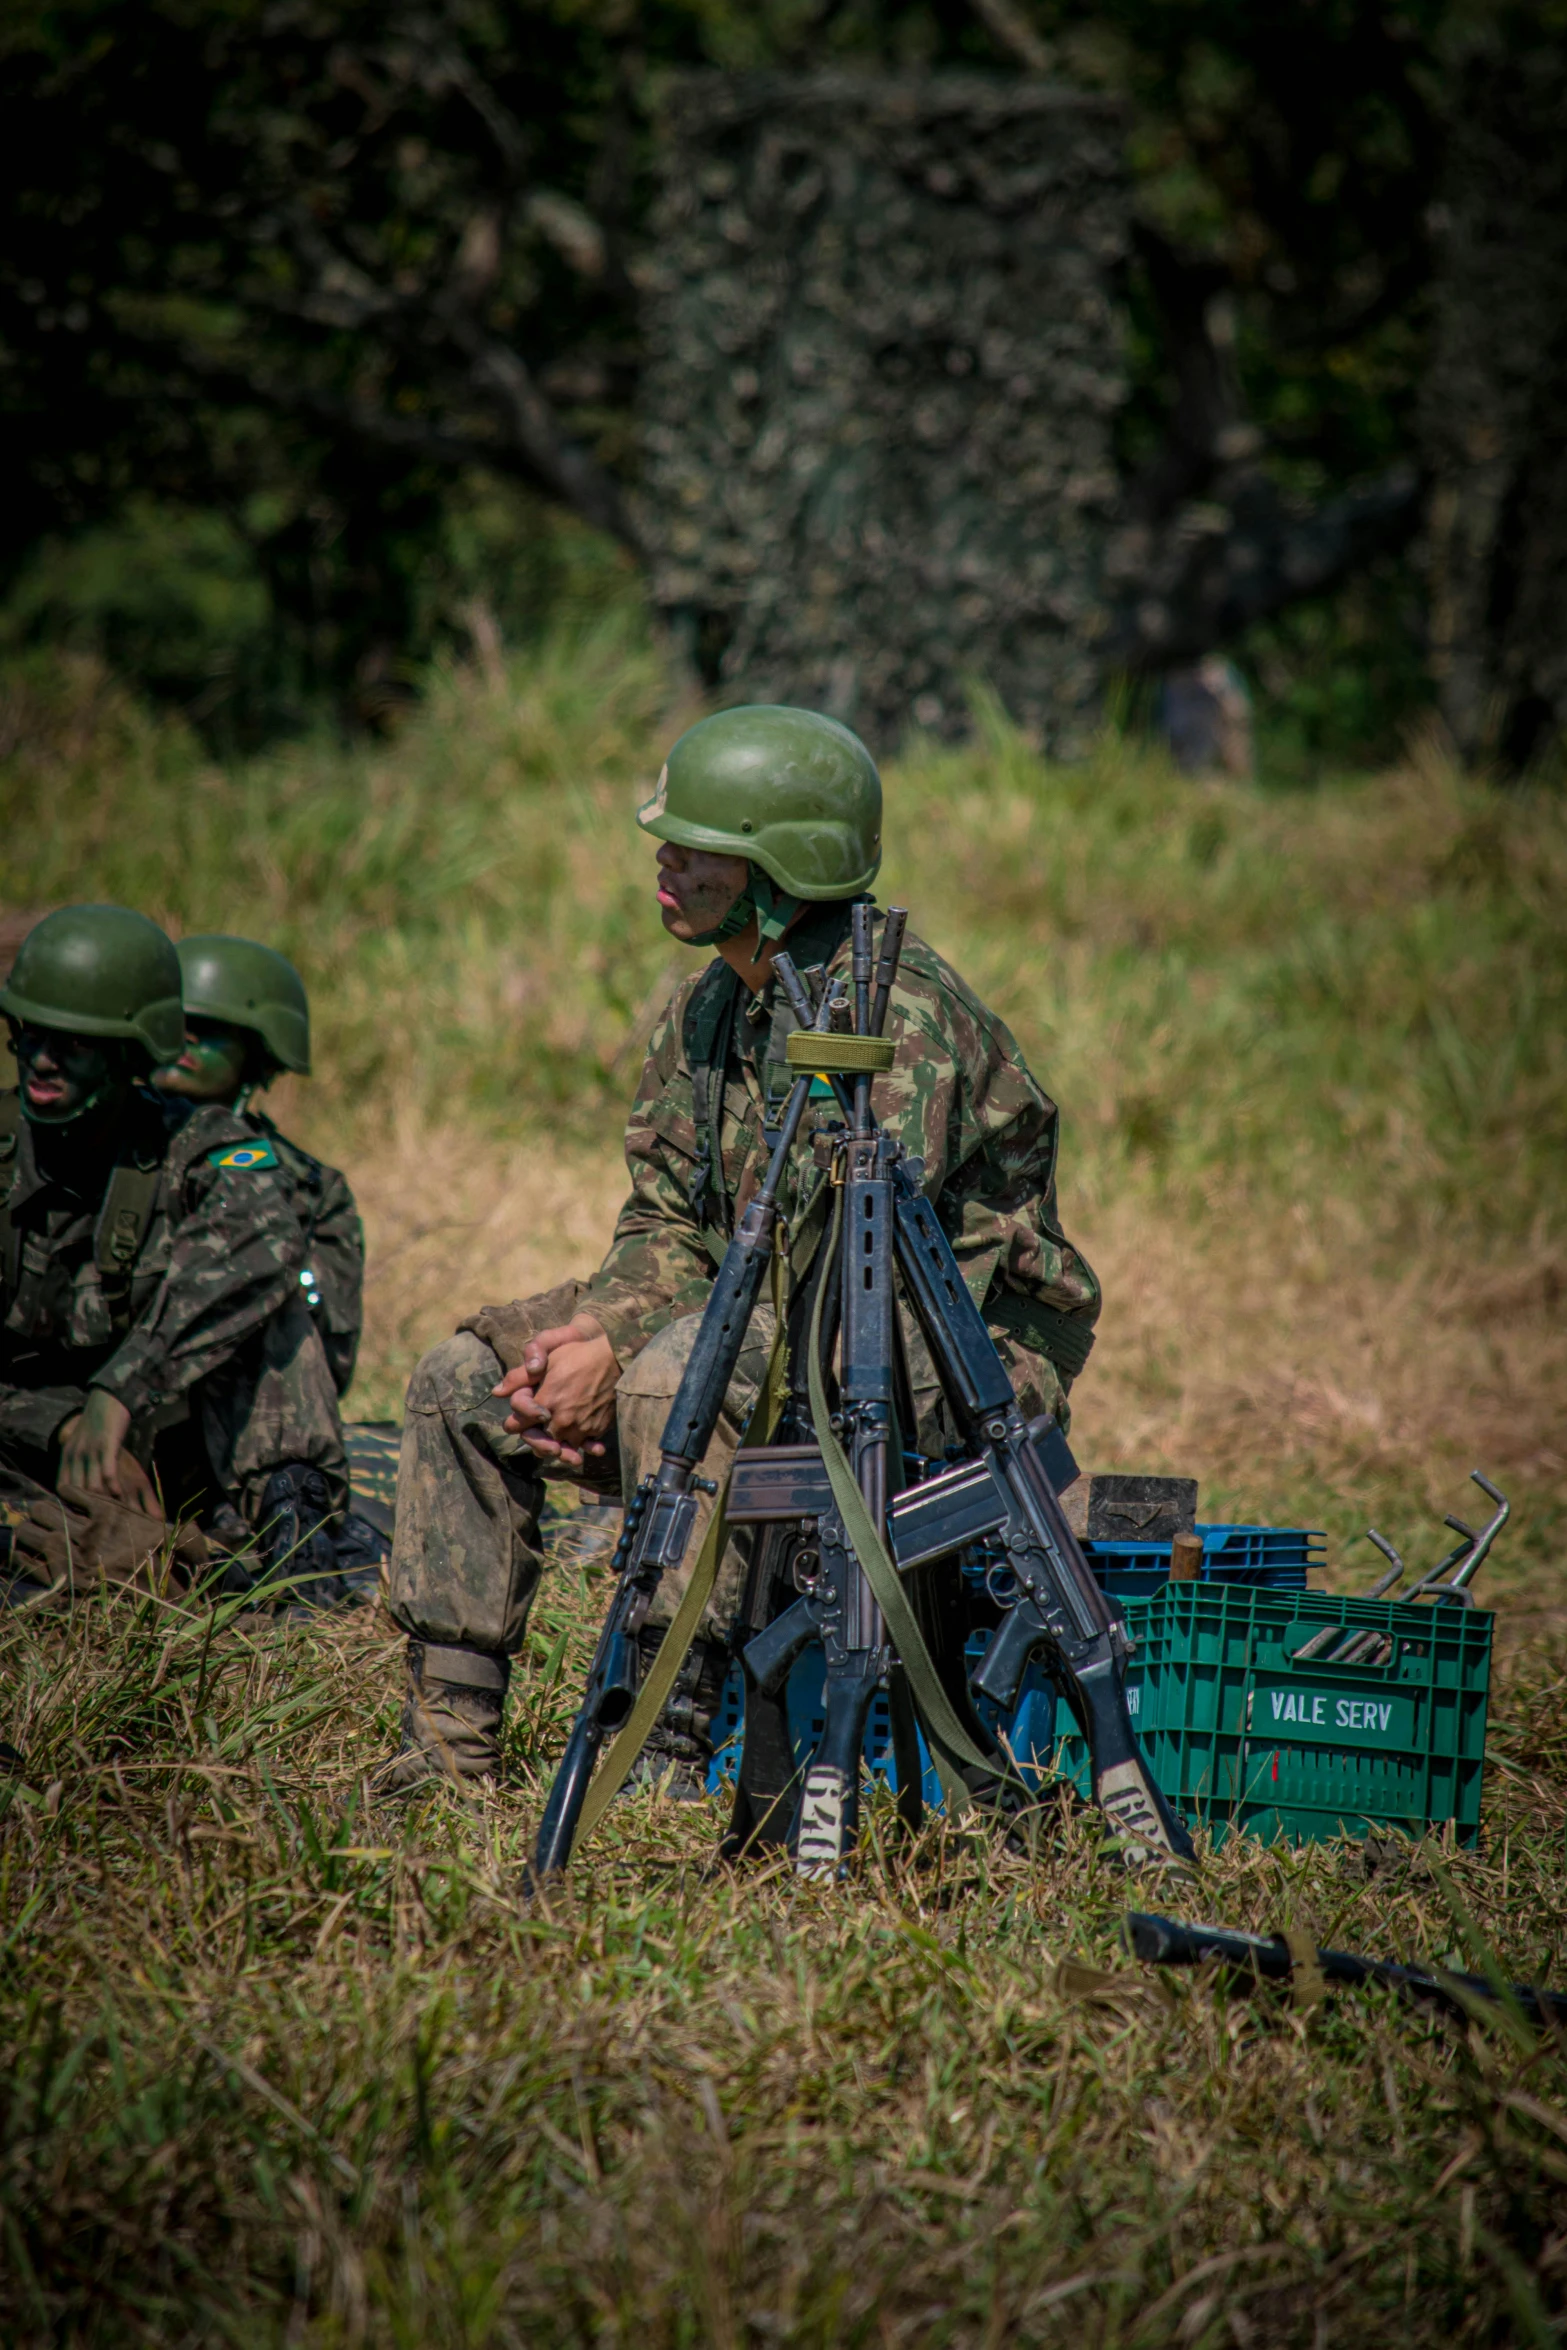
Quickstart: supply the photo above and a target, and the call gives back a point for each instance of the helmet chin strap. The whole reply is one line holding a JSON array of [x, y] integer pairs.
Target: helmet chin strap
[[774, 909]]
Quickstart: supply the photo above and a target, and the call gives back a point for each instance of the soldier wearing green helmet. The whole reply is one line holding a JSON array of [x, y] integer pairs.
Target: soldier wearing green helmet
[[769, 827], [247, 1019], [155, 1351]]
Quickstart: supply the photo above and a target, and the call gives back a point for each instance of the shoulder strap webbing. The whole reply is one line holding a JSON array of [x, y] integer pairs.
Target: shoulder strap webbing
[[777, 1078], [10, 1163], [121, 1228], [709, 1024]]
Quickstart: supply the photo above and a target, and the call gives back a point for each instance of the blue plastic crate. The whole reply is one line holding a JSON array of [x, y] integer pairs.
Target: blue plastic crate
[[1274, 1558], [1028, 1731]]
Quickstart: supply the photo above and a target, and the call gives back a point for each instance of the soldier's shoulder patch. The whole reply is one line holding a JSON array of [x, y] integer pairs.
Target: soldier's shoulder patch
[[243, 1158]]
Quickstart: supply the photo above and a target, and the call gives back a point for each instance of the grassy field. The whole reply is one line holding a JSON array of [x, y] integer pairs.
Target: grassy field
[[276, 2070]]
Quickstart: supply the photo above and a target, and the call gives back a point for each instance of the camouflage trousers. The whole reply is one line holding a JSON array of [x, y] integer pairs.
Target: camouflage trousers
[[272, 1403], [466, 1556]]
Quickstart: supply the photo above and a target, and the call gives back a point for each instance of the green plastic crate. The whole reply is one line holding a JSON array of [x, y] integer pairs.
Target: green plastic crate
[[1240, 1735]]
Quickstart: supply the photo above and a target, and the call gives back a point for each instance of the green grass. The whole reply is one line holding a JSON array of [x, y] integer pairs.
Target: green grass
[[1363, 984], [275, 2070]]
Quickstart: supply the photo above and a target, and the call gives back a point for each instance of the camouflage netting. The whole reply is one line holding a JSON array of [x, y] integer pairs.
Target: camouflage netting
[[885, 361]]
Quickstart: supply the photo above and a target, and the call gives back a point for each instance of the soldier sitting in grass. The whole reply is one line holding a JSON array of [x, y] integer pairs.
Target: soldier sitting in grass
[[770, 824], [247, 1019], [158, 1361]]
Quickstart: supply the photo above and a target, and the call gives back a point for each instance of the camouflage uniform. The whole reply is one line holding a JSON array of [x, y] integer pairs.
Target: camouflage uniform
[[199, 1328], [959, 1097], [332, 1276]]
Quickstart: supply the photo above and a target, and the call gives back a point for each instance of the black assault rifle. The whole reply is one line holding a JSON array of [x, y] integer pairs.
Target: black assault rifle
[[1003, 1493], [1164, 1942], [663, 1510], [838, 1606]]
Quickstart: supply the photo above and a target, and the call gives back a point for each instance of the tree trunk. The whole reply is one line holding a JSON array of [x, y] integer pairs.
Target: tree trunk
[[1494, 419]]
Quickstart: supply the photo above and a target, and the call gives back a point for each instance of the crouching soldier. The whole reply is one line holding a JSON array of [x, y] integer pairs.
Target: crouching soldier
[[769, 822], [247, 1019], [158, 1362]]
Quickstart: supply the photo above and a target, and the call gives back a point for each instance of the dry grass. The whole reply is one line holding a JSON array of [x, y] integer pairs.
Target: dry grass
[[275, 2070], [278, 2071], [455, 1221], [1295, 1394]]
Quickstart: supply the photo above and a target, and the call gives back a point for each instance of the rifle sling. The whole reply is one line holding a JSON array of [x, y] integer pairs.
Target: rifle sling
[[950, 1744], [10, 1167], [676, 1644]]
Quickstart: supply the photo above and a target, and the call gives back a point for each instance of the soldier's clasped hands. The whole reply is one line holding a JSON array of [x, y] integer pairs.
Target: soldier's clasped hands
[[562, 1395]]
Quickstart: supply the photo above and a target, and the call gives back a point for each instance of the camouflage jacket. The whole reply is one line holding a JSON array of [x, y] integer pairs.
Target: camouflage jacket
[[149, 1282], [959, 1096], [333, 1273]]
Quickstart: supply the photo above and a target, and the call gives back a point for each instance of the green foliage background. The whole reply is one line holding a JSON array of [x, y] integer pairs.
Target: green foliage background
[[183, 371]]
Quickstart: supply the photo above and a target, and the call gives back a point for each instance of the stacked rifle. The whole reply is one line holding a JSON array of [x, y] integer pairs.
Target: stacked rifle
[[858, 1542]]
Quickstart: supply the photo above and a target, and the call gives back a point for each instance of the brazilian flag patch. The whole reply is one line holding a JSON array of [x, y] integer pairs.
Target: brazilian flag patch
[[243, 1158]]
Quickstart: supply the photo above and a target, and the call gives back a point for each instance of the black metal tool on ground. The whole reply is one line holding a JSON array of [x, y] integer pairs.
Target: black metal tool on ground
[[1162, 1942]]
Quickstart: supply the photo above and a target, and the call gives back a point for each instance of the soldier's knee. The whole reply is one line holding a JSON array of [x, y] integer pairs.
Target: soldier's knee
[[453, 1376], [660, 1366]]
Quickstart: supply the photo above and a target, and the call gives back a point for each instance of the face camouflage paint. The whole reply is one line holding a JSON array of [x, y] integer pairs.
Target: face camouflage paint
[[212, 1066], [63, 1075]]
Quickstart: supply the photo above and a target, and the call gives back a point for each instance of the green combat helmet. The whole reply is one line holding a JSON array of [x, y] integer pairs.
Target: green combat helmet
[[99, 971], [250, 986], [792, 791]]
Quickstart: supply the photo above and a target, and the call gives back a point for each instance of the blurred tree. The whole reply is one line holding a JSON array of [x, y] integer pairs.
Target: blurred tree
[[1495, 399], [310, 261], [1285, 161]]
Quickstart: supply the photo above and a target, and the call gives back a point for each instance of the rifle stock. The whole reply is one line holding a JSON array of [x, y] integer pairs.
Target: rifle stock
[[1059, 1604]]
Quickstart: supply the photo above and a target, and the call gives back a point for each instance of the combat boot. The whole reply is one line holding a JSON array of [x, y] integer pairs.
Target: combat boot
[[297, 1547], [679, 1747], [451, 1733]]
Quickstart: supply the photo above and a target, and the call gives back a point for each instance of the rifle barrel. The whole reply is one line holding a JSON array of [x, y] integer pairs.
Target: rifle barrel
[[887, 966]]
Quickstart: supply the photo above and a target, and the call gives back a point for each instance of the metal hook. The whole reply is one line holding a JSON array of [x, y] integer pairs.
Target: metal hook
[[1488, 1533], [1477, 1546], [1334, 1633], [1395, 1573]]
